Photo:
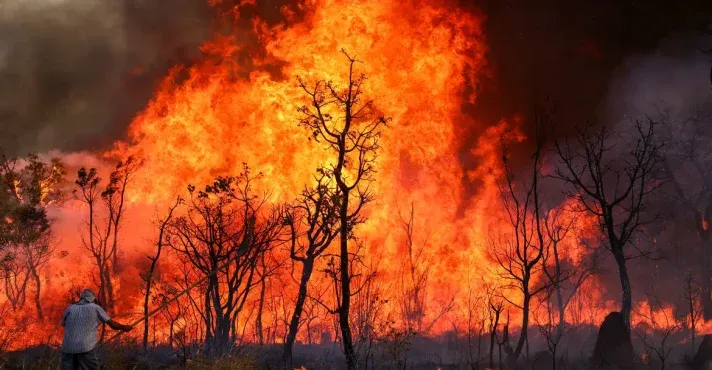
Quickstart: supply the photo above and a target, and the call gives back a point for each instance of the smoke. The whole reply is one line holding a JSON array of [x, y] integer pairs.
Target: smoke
[[74, 72], [671, 83], [673, 79]]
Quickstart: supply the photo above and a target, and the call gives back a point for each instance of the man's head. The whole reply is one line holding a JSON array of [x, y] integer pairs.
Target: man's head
[[88, 295]]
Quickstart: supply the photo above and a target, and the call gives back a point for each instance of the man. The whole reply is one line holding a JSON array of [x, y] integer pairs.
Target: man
[[81, 323]]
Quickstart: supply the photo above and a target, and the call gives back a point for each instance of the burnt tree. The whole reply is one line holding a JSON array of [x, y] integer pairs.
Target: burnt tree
[[149, 277], [414, 302], [225, 231], [615, 187], [520, 255], [564, 277], [691, 295], [115, 193], [350, 127], [105, 212], [314, 223], [495, 312]]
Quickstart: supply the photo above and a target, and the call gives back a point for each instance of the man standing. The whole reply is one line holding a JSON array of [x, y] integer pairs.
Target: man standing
[[81, 323]]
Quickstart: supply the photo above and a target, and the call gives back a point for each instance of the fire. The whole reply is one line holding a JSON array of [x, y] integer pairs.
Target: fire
[[418, 74], [422, 59]]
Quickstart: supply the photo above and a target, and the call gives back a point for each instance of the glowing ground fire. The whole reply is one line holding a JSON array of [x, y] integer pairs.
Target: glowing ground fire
[[422, 60]]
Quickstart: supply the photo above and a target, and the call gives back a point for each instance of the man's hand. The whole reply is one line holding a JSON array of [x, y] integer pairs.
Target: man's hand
[[116, 326]]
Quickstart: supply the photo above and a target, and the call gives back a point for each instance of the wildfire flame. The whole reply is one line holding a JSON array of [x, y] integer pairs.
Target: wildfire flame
[[422, 59]]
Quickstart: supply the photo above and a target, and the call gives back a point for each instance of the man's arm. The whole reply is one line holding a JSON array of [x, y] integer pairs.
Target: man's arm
[[104, 317], [117, 326], [64, 317]]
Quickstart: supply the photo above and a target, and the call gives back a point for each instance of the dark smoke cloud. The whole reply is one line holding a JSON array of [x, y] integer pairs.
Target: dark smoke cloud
[[668, 83], [73, 72], [674, 78]]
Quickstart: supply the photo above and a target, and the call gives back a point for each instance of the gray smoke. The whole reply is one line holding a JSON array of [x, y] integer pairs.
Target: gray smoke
[[670, 84], [674, 79], [74, 72]]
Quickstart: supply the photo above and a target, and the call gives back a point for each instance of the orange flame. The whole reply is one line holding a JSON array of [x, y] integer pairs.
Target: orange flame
[[422, 59]]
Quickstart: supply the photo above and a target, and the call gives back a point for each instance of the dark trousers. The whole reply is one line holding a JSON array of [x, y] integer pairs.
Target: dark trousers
[[77, 361]]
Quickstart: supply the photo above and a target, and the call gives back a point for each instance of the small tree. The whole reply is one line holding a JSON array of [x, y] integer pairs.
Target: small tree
[[495, 313], [414, 302], [519, 256], [658, 346], [28, 187], [225, 232], [614, 187], [564, 277], [351, 129], [101, 238], [314, 224], [149, 276], [691, 295]]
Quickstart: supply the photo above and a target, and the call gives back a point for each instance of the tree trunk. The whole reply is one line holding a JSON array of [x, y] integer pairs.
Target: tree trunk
[[693, 315], [260, 309], [525, 322], [559, 294], [38, 292], [345, 308], [626, 300], [149, 280], [298, 308], [109, 287], [493, 334]]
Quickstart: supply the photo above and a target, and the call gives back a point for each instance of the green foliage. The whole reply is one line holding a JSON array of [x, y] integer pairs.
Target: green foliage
[[27, 186]]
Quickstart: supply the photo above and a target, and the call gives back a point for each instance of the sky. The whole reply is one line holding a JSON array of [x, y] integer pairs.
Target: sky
[[74, 72]]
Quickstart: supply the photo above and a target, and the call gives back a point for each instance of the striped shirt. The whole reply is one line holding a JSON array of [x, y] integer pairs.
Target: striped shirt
[[81, 323]]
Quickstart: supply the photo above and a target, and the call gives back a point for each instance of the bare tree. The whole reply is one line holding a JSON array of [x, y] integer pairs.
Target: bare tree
[[149, 276], [476, 315], [223, 235], [414, 278], [553, 335], [102, 234], [350, 127], [370, 325], [565, 277], [269, 265], [314, 224], [615, 187], [115, 193], [691, 294], [519, 256], [495, 313], [88, 193], [661, 329], [413, 282]]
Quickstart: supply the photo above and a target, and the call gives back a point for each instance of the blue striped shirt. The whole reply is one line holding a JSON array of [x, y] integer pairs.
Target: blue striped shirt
[[81, 323]]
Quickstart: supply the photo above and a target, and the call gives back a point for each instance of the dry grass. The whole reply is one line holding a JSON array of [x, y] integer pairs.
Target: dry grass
[[224, 363]]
